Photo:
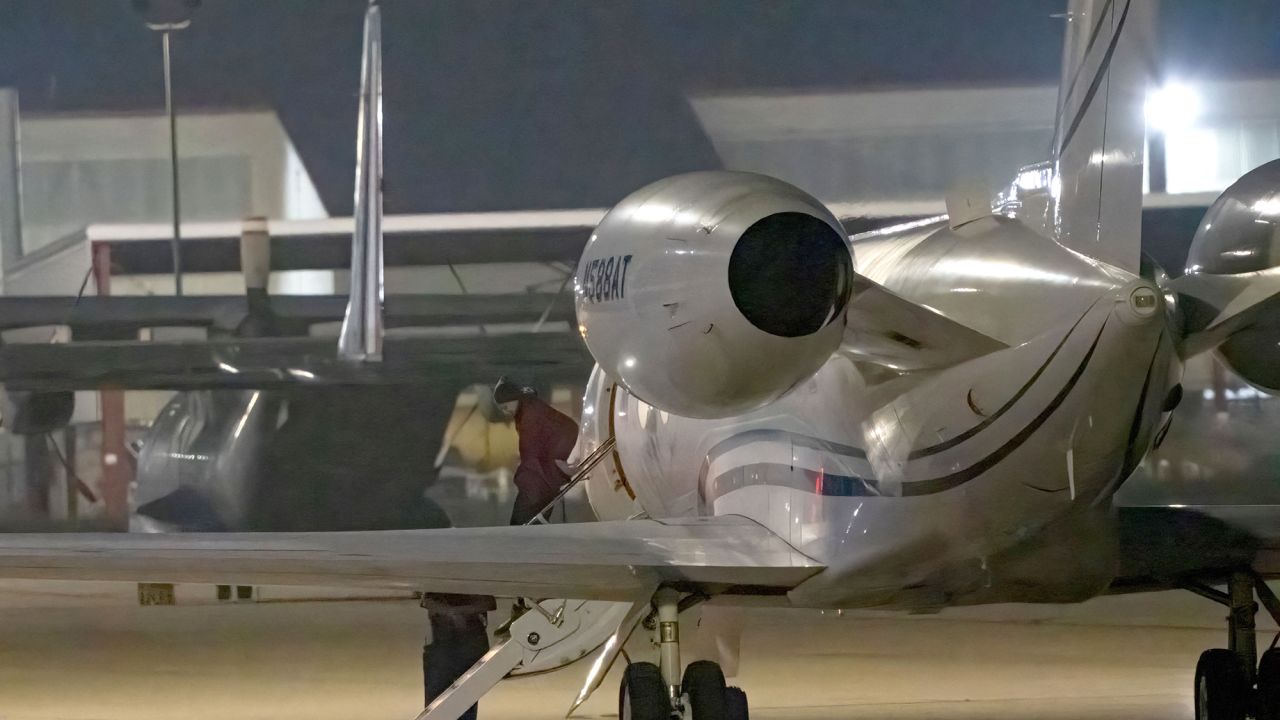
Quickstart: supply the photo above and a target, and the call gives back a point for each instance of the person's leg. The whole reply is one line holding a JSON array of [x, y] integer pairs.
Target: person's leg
[[457, 642], [437, 665], [529, 502], [459, 637]]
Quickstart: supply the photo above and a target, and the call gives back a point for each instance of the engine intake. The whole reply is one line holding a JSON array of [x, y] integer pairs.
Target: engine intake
[[713, 293]]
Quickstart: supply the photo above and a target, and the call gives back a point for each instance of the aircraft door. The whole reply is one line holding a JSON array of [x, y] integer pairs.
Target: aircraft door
[[608, 489]]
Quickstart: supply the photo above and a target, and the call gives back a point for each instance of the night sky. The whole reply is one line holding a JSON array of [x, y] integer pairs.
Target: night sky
[[564, 103]]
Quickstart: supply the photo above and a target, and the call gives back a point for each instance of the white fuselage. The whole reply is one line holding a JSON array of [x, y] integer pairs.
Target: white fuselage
[[931, 487]]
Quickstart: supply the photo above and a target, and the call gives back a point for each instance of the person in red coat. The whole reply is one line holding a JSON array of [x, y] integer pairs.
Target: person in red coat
[[546, 435], [459, 635]]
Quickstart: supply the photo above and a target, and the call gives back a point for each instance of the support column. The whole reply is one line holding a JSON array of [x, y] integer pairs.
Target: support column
[[115, 469]]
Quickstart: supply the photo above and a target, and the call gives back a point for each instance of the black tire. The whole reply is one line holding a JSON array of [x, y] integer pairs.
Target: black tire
[[1269, 685], [1222, 686], [735, 704], [704, 684], [642, 695]]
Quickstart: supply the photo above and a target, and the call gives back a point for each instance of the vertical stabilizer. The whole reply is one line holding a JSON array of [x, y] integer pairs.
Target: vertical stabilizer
[[1100, 134], [361, 337]]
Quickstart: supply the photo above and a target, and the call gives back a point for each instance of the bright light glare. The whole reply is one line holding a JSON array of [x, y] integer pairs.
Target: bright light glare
[[1172, 107], [1034, 179], [653, 212], [1268, 206], [248, 410]]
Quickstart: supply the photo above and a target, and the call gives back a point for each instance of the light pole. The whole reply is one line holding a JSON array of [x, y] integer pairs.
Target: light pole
[[167, 17]]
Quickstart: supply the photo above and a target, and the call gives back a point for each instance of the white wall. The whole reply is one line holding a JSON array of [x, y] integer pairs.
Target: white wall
[[1232, 128], [897, 145], [882, 146], [101, 168], [82, 169]]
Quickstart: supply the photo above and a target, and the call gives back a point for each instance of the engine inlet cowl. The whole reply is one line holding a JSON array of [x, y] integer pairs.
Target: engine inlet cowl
[[1240, 234], [713, 293]]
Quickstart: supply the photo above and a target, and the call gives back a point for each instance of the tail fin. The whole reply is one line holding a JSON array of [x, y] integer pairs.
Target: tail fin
[[361, 336], [1099, 135]]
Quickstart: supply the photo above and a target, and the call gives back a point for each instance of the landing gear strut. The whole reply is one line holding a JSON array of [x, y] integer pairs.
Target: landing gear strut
[[1230, 683], [668, 690]]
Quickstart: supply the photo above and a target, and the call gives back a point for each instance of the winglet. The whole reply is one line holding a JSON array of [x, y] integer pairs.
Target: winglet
[[361, 336]]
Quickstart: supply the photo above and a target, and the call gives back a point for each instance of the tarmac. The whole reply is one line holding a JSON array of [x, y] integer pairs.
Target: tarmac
[[88, 651]]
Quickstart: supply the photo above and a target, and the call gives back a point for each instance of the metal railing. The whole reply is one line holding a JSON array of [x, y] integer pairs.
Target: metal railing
[[583, 470]]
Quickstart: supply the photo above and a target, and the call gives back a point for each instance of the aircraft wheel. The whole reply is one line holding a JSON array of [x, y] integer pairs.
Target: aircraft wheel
[[704, 685], [735, 704], [1222, 686], [642, 695], [1269, 685]]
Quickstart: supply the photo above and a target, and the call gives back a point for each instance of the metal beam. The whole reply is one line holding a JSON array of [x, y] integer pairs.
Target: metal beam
[[1208, 592], [225, 311], [1267, 596], [464, 238], [332, 251], [280, 362]]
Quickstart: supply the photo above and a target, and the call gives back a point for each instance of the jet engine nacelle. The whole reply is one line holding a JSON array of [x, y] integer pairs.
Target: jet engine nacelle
[[713, 293], [1240, 234]]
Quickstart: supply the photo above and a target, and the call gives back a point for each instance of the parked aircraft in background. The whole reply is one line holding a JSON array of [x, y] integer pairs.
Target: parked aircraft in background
[[287, 459]]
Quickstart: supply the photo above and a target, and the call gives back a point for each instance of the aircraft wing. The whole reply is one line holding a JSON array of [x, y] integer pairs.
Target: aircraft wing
[[1165, 546], [589, 561]]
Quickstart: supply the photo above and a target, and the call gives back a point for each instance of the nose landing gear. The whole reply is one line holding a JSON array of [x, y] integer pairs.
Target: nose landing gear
[[662, 692], [703, 695], [1228, 683]]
